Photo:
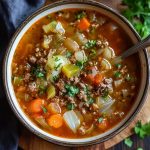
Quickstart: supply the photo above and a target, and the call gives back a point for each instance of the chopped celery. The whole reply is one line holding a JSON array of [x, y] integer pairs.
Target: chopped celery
[[50, 27], [18, 81], [55, 27], [70, 70], [56, 62], [52, 75], [71, 45], [51, 92]]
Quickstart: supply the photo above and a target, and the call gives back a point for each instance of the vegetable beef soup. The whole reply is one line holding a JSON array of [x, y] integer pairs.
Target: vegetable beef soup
[[64, 78]]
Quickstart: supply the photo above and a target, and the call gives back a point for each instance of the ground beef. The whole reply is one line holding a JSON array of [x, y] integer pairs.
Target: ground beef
[[27, 77], [32, 59], [106, 84], [61, 85], [82, 95], [32, 87]]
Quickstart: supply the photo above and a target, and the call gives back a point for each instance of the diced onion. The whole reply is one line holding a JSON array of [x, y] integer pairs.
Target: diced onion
[[71, 45], [108, 53], [55, 27], [56, 62], [118, 82], [54, 108], [104, 104], [80, 56], [72, 120], [59, 28], [125, 93], [80, 38], [105, 64]]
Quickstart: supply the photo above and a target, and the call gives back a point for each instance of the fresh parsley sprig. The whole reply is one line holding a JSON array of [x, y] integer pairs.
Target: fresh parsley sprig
[[138, 13]]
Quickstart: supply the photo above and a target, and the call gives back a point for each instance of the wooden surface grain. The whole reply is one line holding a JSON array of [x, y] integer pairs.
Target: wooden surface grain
[[29, 141]]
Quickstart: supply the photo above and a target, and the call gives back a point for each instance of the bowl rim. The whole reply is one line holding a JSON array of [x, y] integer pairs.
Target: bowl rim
[[10, 99]]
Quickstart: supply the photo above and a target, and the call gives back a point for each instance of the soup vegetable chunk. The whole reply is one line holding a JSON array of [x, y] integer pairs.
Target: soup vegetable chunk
[[64, 78]]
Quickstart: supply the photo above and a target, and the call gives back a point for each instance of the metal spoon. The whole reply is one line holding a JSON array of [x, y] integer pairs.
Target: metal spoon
[[137, 47]]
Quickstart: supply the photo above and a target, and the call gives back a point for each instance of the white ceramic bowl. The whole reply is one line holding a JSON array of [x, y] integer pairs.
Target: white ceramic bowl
[[57, 7]]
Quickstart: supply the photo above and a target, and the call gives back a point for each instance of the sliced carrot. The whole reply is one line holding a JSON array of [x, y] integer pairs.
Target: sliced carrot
[[103, 125], [55, 121], [83, 24], [35, 106], [98, 79]]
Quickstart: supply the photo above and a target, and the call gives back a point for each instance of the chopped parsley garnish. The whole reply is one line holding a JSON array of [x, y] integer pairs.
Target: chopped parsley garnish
[[139, 148], [117, 74], [90, 100], [80, 64], [128, 77], [55, 78], [80, 15], [128, 142], [68, 54], [93, 52], [100, 119], [90, 44], [86, 90], [105, 93], [38, 72], [56, 67], [142, 130], [118, 66], [138, 13], [57, 59], [44, 109], [70, 106], [71, 90]]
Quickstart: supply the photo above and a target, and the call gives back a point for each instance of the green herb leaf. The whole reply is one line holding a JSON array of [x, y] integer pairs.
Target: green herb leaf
[[44, 109], [38, 72], [55, 78], [80, 15], [118, 66], [80, 64], [128, 77], [57, 59], [56, 67], [70, 106], [139, 148], [105, 93], [142, 130], [71, 90], [68, 54], [90, 100], [117, 74], [138, 13], [128, 142], [90, 44], [100, 119], [93, 52]]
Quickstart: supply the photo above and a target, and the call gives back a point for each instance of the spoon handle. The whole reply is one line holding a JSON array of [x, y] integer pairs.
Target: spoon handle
[[141, 45]]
